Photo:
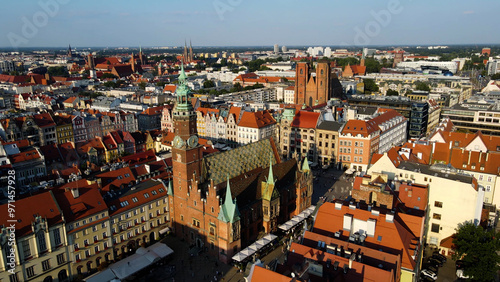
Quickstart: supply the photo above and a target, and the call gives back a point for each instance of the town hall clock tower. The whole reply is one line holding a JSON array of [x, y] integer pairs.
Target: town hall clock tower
[[186, 161]]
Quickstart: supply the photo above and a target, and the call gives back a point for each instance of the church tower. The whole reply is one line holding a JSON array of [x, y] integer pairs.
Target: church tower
[[302, 76], [186, 163], [185, 55], [70, 53], [322, 83], [304, 186], [191, 57]]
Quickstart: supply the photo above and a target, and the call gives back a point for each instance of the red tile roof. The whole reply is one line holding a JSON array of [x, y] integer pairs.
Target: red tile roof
[[355, 127], [392, 237], [114, 179], [304, 119], [258, 119], [88, 203], [43, 205], [44, 120], [25, 156], [139, 194], [413, 196], [140, 158]]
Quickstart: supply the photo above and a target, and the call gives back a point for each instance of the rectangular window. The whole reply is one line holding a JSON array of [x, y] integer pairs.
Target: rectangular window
[[45, 265], [57, 236], [438, 204], [13, 278], [60, 259], [435, 228], [436, 216], [30, 271], [42, 245]]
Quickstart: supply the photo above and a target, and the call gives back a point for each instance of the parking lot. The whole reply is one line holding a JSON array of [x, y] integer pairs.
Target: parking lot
[[446, 273]]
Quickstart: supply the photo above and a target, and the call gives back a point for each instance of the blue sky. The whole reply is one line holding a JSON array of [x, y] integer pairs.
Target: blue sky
[[247, 22]]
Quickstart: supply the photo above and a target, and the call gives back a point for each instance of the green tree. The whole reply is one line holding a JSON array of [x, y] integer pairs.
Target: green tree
[[58, 71], [142, 85], [372, 65], [236, 87], [496, 76], [422, 86], [391, 92], [208, 84], [108, 75], [478, 248], [370, 86]]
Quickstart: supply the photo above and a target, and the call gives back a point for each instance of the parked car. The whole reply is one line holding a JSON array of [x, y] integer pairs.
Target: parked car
[[435, 262], [430, 274], [439, 257], [433, 268]]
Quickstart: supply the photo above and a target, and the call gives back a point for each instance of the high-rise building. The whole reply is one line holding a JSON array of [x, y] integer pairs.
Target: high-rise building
[[284, 49], [276, 48]]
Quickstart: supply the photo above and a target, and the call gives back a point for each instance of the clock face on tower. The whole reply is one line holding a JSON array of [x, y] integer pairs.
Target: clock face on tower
[[192, 141], [178, 142]]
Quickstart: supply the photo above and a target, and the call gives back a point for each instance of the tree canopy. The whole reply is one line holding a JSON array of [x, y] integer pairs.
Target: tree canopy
[[422, 86], [391, 92], [478, 248], [496, 76], [58, 71], [370, 86]]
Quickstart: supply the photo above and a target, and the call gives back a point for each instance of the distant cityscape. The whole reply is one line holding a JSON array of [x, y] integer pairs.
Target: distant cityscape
[[108, 153]]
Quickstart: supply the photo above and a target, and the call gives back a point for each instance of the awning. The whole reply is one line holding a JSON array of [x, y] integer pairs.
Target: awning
[[296, 220], [255, 247], [164, 230], [124, 268]]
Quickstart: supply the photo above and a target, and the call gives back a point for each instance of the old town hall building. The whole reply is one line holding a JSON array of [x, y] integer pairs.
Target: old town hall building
[[223, 201]]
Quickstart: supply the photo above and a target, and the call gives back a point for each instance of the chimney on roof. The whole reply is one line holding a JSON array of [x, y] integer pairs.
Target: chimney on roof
[[371, 223], [389, 217], [338, 205], [351, 259], [419, 155], [75, 193], [347, 222], [468, 162], [451, 142]]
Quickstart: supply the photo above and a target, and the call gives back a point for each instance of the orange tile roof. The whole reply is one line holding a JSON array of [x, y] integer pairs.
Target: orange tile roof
[[42, 204], [304, 119], [261, 274], [358, 271], [170, 88], [258, 119], [141, 158], [25, 156], [475, 161], [138, 193], [114, 179], [392, 237], [413, 196], [88, 203], [355, 127]]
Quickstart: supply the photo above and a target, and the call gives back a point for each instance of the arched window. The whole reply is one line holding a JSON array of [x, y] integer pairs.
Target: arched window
[[321, 72], [301, 71]]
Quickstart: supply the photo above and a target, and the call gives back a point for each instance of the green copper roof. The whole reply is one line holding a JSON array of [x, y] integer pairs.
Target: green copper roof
[[289, 114], [305, 165], [229, 210], [183, 103], [170, 190], [270, 177]]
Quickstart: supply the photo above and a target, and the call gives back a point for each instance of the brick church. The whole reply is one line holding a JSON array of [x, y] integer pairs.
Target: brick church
[[315, 88], [223, 202]]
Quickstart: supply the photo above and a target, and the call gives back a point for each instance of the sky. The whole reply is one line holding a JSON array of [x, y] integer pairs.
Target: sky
[[151, 23]]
